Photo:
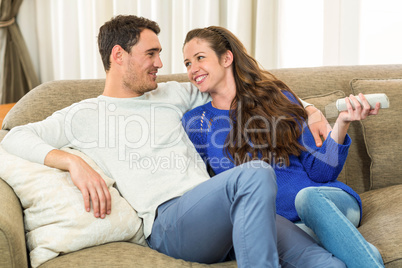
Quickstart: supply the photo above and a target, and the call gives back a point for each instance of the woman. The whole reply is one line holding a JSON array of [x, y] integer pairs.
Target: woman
[[253, 115]]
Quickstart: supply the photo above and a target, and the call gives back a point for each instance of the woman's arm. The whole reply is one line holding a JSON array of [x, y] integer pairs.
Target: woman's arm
[[323, 164], [326, 162]]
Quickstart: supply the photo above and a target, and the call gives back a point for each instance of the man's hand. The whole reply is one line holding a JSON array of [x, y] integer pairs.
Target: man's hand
[[87, 180], [317, 124]]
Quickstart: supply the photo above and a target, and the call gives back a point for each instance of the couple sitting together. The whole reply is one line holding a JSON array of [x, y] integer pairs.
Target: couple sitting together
[[248, 127]]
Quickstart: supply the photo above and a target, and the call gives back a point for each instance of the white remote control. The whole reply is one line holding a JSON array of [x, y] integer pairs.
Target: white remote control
[[371, 98]]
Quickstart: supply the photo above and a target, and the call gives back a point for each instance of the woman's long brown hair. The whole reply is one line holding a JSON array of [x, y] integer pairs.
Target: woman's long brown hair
[[265, 124]]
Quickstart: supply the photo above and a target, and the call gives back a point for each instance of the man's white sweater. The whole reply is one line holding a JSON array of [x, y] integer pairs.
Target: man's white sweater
[[139, 142]]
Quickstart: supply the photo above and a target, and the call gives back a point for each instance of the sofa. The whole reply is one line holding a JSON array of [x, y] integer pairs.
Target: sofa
[[373, 167]]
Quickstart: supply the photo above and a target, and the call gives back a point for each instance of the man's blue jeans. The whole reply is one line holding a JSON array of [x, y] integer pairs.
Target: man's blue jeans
[[235, 210], [333, 215]]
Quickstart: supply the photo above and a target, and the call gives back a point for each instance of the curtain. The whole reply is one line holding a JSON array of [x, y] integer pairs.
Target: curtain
[[278, 33], [17, 73], [65, 45]]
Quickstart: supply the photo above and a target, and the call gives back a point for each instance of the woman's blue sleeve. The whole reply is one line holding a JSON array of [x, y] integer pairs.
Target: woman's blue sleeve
[[324, 163]]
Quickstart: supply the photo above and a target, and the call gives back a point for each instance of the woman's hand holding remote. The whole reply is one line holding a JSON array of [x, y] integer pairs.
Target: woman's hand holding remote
[[359, 111]]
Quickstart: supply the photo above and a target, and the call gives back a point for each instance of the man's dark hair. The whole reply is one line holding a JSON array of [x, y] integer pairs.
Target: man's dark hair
[[124, 31]]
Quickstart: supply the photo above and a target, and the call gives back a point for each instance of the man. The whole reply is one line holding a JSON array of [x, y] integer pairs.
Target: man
[[133, 132]]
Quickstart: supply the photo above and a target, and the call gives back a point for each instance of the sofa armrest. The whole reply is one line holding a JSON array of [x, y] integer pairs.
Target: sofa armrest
[[13, 252], [3, 134]]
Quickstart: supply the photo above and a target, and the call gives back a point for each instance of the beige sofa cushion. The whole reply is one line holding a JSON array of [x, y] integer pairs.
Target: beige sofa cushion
[[381, 217], [125, 255], [52, 96], [12, 238], [49, 97], [54, 216], [326, 103], [385, 167]]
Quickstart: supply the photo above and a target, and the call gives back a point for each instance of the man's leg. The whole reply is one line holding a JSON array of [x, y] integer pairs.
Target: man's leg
[[235, 208], [298, 249]]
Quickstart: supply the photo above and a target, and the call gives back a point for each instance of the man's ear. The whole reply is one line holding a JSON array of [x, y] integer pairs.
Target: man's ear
[[228, 58], [117, 54]]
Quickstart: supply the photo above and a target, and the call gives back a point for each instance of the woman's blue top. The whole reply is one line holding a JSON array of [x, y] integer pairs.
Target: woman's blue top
[[208, 127]]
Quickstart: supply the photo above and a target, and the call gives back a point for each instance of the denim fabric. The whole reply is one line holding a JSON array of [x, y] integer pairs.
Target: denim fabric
[[333, 215], [235, 210]]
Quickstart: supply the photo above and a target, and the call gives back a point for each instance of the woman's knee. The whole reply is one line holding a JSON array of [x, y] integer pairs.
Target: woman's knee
[[305, 195], [311, 199]]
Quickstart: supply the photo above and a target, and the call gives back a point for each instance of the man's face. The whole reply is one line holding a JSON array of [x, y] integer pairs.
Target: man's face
[[143, 63]]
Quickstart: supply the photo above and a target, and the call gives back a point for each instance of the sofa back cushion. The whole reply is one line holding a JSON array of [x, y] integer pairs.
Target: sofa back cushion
[[52, 96], [383, 132], [49, 97]]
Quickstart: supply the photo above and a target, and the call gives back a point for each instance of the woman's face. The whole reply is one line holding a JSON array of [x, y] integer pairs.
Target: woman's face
[[204, 69]]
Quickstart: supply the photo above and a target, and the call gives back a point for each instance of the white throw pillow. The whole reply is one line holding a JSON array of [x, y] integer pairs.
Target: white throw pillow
[[54, 215]]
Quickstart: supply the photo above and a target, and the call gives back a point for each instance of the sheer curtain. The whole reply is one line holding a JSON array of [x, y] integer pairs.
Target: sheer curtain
[[61, 35]]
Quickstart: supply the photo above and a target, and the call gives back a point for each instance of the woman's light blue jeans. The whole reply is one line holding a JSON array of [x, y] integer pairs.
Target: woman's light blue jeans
[[333, 215], [234, 212]]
